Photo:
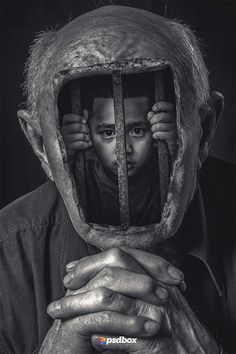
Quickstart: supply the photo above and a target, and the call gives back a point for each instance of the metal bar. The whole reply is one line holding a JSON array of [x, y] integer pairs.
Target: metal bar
[[121, 148], [163, 154], [79, 159]]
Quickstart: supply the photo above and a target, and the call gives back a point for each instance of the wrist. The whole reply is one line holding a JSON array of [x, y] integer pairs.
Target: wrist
[[62, 339], [190, 335]]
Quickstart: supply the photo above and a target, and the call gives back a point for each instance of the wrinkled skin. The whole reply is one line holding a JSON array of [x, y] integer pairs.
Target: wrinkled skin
[[103, 36], [120, 292]]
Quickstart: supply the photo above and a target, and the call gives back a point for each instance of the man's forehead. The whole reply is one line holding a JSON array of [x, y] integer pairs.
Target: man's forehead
[[135, 109]]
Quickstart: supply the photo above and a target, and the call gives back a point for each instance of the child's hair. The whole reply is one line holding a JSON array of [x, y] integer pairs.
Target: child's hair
[[134, 85]]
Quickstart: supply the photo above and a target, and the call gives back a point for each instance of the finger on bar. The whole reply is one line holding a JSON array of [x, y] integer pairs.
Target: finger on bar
[[163, 154]]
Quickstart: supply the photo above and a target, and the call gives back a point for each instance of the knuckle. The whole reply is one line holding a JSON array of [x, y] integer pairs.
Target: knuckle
[[155, 115], [108, 274], [62, 304], [133, 306], [106, 317], [115, 255], [104, 296], [154, 119], [156, 134], [80, 143], [155, 127]]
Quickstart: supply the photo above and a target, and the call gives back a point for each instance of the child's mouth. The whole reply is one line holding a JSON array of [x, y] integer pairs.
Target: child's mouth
[[130, 165]]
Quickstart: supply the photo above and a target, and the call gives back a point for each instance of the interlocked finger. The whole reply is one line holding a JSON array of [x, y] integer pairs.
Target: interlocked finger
[[114, 323], [123, 281], [85, 269], [101, 299]]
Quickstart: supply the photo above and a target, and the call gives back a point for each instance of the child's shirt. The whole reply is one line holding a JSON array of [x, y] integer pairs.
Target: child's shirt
[[103, 199]]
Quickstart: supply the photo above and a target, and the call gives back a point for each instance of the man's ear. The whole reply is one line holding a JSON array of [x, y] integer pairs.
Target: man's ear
[[33, 134], [210, 117]]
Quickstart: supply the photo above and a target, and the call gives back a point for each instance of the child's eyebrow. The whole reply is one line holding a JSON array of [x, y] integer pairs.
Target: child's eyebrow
[[138, 123], [129, 125], [106, 125]]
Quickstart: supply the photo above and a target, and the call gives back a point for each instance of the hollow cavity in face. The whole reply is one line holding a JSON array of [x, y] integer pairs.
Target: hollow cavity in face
[[139, 142]]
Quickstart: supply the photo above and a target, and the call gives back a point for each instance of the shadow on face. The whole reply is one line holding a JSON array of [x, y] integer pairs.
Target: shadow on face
[[139, 143]]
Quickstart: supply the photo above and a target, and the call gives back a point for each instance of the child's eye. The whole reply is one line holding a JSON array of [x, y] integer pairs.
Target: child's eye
[[108, 133], [137, 132]]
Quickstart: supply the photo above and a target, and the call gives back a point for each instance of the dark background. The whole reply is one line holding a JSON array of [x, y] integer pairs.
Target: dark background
[[213, 21]]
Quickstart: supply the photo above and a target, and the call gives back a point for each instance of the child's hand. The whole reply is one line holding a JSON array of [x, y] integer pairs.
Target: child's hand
[[75, 133], [163, 124]]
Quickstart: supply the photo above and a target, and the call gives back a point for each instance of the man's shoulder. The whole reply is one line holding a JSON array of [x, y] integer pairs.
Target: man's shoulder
[[39, 207]]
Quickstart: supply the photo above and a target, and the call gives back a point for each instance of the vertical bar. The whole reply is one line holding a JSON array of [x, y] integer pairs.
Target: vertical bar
[[163, 154], [121, 148], [79, 160]]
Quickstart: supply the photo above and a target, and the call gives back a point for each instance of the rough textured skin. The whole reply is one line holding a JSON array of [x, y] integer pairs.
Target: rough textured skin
[[181, 333], [105, 35]]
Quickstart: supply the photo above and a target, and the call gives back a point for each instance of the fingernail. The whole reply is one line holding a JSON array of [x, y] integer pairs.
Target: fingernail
[[68, 278], [52, 308], [162, 293], [175, 273], [151, 326], [156, 105], [183, 285], [70, 266]]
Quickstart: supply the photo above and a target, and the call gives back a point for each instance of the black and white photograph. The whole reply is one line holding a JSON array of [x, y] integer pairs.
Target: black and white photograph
[[118, 184]]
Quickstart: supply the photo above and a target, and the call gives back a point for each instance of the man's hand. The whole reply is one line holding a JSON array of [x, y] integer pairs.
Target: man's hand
[[163, 124], [75, 133], [121, 295], [111, 293]]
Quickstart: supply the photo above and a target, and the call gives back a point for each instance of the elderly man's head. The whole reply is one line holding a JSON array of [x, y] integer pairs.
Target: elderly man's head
[[100, 37]]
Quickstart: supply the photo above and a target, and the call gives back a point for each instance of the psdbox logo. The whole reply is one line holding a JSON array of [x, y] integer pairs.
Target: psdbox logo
[[121, 339], [102, 340]]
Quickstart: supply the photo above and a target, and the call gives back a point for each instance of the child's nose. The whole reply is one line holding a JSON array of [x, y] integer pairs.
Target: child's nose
[[129, 147]]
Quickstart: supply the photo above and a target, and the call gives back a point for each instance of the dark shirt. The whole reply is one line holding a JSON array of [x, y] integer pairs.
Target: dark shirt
[[38, 240], [103, 199]]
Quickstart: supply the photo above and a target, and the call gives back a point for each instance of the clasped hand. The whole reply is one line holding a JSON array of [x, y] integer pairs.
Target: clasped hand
[[119, 292]]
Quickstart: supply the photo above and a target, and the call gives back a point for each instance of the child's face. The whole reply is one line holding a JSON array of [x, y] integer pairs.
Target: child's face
[[139, 143]]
